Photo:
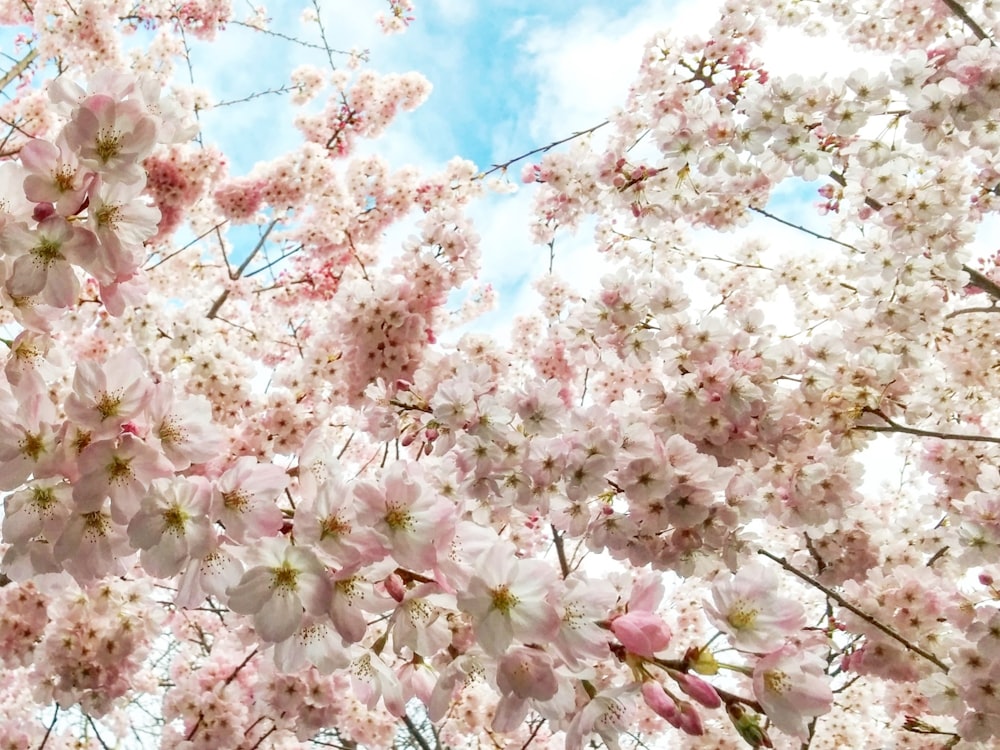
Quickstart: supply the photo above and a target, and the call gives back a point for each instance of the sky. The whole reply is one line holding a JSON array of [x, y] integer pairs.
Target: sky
[[508, 76]]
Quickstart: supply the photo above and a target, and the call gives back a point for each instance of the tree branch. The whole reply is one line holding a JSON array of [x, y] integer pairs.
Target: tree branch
[[892, 426], [851, 608], [415, 733], [787, 223], [221, 299], [974, 27], [19, 67], [983, 282], [540, 150], [557, 540]]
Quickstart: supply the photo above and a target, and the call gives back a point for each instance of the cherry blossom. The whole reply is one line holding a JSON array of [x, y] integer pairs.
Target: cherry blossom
[[286, 581], [273, 478]]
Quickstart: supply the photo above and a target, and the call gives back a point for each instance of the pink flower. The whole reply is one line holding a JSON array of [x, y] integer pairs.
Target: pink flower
[[91, 546], [120, 469], [182, 427], [411, 523], [106, 396], [55, 175], [27, 441], [112, 137], [314, 643], [43, 257], [607, 715], [285, 581], [122, 219], [214, 574], [244, 499], [372, 679], [527, 673], [746, 607], [354, 597], [792, 687], [642, 633], [172, 525], [510, 598], [327, 519], [41, 509]]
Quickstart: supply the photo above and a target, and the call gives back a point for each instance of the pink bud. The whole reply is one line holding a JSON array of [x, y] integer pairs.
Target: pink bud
[[986, 579], [661, 703], [42, 211], [642, 633], [700, 690], [690, 719], [395, 587]]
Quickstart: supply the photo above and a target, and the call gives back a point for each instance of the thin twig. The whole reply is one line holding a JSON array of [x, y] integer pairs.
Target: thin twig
[[419, 738], [221, 299], [974, 27], [787, 223], [892, 426], [19, 67], [51, 726], [850, 607], [540, 150], [557, 541], [100, 740]]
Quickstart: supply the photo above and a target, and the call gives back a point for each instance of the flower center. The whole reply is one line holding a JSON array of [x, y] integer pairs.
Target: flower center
[[503, 600], [776, 681], [742, 616], [32, 445], [108, 405], [285, 577], [108, 145], [174, 520], [120, 469], [236, 500]]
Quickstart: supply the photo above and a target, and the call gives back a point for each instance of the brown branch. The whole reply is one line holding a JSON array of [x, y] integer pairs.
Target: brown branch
[[983, 282], [974, 27], [415, 733], [557, 540], [541, 150], [19, 67], [851, 608], [892, 426], [221, 299], [49, 728], [810, 232]]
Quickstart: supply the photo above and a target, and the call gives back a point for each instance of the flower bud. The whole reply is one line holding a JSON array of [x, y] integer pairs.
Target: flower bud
[[394, 587], [642, 633], [698, 689], [690, 719], [661, 703]]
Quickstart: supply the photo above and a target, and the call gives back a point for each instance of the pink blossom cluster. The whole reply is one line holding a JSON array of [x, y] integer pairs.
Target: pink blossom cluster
[[345, 519]]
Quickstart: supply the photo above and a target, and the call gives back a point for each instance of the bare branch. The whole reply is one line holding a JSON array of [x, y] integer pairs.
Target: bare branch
[[543, 149], [851, 608]]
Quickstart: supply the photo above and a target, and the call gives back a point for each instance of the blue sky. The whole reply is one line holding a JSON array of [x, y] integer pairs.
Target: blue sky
[[489, 63]]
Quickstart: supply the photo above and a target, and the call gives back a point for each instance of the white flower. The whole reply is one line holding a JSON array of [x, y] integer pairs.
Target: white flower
[[510, 598], [275, 591]]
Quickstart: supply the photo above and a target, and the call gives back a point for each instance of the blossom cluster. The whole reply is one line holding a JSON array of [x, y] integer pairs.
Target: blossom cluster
[[407, 514]]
